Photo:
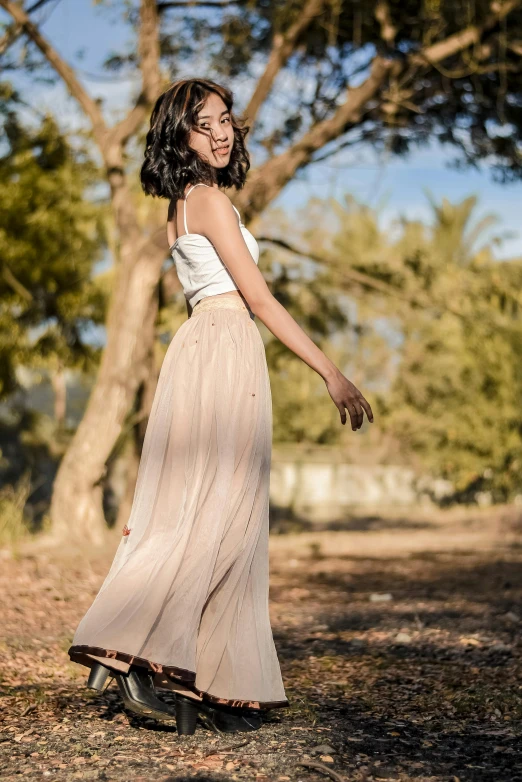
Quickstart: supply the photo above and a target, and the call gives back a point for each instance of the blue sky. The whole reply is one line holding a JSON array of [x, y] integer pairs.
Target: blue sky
[[76, 25]]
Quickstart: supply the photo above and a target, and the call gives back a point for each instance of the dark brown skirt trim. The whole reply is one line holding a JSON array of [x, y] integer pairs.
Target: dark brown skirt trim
[[241, 704], [78, 654]]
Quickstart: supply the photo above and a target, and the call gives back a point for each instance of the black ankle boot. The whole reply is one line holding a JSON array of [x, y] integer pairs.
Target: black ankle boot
[[228, 719], [221, 719], [136, 688], [138, 693]]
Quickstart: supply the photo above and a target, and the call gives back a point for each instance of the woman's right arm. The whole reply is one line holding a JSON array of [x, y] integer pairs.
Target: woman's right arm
[[218, 221]]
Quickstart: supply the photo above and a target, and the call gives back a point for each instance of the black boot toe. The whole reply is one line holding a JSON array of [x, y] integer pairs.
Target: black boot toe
[[138, 693]]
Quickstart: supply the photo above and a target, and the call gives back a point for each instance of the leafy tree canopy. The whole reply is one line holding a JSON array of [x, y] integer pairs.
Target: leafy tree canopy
[[451, 382], [454, 72], [50, 238]]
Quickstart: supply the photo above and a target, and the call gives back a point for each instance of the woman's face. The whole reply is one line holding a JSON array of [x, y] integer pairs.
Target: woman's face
[[214, 132]]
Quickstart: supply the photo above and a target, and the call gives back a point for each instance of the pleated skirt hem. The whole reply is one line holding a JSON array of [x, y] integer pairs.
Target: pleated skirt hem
[[80, 654]]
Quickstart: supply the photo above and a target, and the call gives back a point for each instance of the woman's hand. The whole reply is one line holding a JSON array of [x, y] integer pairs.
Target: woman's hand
[[346, 395]]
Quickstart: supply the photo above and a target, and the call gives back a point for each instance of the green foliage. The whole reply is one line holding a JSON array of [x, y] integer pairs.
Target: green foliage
[[455, 398], [432, 334], [50, 238], [300, 409], [51, 235]]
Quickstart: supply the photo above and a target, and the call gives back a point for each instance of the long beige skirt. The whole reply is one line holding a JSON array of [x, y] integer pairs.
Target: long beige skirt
[[187, 593]]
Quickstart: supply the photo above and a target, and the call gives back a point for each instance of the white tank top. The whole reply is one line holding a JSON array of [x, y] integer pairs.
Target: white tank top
[[200, 270]]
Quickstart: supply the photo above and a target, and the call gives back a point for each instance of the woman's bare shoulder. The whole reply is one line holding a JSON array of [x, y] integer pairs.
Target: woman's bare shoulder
[[212, 205], [212, 196]]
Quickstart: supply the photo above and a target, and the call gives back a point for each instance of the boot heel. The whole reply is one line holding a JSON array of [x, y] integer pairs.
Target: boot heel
[[186, 715], [97, 677]]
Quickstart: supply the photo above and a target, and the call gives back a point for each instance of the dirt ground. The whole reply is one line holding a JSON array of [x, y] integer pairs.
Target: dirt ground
[[399, 642]]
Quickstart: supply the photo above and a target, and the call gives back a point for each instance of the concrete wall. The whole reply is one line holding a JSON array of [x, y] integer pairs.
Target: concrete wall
[[319, 486]]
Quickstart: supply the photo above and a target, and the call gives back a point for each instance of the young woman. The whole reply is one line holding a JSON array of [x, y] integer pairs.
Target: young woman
[[185, 604]]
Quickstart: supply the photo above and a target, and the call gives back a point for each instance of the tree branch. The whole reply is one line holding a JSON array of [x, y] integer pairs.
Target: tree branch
[[16, 30], [347, 276], [62, 68], [15, 284], [465, 38], [149, 52], [109, 142], [383, 16], [266, 182], [196, 4], [282, 47], [268, 179], [516, 47]]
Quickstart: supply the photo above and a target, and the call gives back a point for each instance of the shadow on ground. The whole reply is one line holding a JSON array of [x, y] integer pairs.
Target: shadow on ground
[[396, 668], [413, 665]]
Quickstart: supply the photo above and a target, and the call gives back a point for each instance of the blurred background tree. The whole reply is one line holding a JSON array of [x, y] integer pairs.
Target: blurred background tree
[[52, 235], [458, 392], [436, 330], [324, 77]]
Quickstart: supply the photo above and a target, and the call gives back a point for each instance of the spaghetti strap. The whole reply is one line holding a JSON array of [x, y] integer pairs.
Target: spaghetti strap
[[185, 203]]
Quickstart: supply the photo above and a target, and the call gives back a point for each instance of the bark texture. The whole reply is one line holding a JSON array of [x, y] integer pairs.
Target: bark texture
[[76, 507]]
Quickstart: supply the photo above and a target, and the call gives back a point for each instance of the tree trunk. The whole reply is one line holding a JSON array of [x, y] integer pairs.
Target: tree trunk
[[76, 507], [77, 502]]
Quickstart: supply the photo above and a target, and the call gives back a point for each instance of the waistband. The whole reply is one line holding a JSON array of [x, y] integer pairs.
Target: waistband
[[218, 303]]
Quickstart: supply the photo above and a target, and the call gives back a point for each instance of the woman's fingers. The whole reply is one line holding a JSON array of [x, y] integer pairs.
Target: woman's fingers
[[353, 411], [367, 408], [346, 396], [356, 408], [360, 413]]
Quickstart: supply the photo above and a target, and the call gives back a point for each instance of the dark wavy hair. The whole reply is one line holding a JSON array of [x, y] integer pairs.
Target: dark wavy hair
[[170, 164]]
